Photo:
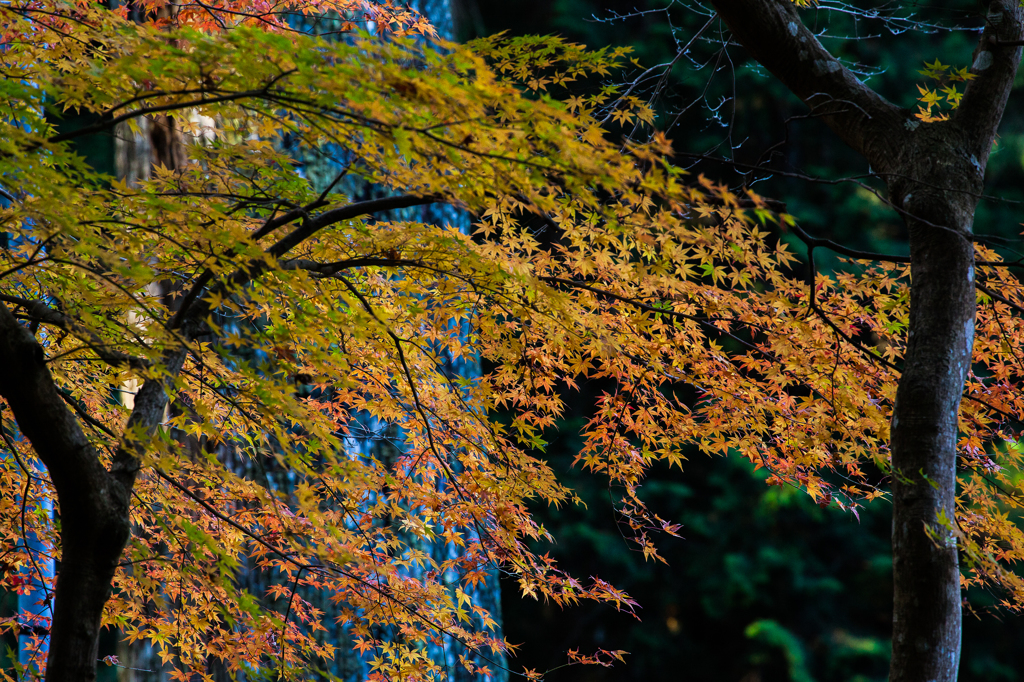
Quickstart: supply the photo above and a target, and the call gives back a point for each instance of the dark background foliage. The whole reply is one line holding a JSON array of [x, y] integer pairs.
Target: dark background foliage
[[764, 585]]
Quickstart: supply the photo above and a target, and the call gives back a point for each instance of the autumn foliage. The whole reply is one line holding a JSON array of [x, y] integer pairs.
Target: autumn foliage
[[279, 318]]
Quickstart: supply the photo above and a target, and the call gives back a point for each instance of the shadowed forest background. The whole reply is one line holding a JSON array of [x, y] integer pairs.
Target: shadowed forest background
[[764, 585]]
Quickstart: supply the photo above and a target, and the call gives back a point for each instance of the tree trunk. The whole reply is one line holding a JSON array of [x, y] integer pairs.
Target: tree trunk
[[926, 613], [934, 172], [93, 502]]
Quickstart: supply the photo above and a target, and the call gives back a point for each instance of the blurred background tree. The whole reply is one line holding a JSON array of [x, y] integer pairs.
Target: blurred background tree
[[764, 585]]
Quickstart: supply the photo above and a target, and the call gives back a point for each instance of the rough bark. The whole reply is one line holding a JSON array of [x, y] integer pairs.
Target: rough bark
[[934, 173], [926, 576]]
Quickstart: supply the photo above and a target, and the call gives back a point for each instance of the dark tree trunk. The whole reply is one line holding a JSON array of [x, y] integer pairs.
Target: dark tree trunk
[[93, 502], [934, 172], [926, 613]]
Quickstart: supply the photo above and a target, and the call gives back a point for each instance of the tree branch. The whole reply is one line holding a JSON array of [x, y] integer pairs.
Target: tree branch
[[40, 312], [337, 215], [329, 269], [772, 32], [30, 391], [309, 227], [815, 242], [995, 66]]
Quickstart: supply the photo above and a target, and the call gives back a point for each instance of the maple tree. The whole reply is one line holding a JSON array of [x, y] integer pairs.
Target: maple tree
[[293, 312]]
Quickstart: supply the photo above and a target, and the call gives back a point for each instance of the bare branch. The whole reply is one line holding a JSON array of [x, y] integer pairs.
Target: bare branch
[[773, 34]]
